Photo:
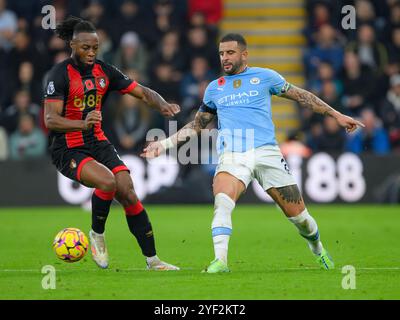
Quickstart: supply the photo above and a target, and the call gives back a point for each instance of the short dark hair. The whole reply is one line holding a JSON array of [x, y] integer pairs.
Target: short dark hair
[[235, 37], [66, 29]]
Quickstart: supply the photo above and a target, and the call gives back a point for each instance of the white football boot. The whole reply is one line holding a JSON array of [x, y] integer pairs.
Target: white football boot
[[154, 263], [99, 249]]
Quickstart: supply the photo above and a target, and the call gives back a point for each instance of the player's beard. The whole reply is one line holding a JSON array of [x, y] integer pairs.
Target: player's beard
[[235, 68]]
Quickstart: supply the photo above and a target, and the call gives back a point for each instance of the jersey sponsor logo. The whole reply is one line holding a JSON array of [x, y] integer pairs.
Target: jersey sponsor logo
[[221, 81], [88, 100], [237, 83], [237, 98], [255, 80], [50, 88]]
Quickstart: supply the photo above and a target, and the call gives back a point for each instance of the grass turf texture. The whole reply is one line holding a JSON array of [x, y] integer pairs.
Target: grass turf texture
[[268, 259]]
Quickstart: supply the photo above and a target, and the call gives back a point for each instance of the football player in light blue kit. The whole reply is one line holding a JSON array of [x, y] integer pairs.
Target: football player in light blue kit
[[247, 146]]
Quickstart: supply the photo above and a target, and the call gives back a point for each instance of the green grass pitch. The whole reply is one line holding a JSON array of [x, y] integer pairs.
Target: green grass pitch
[[268, 259]]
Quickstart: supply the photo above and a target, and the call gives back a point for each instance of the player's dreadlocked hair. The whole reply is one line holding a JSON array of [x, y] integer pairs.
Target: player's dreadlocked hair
[[66, 29]]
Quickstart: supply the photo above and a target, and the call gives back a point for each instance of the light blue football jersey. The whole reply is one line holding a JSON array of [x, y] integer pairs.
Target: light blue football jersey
[[242, 103]]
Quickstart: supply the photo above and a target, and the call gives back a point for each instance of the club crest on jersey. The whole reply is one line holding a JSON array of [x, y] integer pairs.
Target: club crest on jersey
[[237, 83], [221, 81], [50, 88], [255, 80], [101, 81]]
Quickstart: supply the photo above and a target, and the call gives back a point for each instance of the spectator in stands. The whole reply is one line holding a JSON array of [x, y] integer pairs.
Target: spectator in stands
[[8, 26], [131, 54], [22, 105], [358, 85], [329, 94], [394, 46], [27, 81], [3, 144], [55, 45], [3, 79], [293, 146], [25, 50], [28, 141], [22, 51], [170, 52], [212, 10], [331, 139], [190, 103], [371, 139], [25, 9], [320, 16], [312, 121], [366, 14], [325, 74], [198, 19], [129, 18], [165, 18], [393, 20], [189, 86], [164, 82], [390, 112], [327, 49], [131, 123], [95, 13], [105, 51], [370, 52], [198, 45]]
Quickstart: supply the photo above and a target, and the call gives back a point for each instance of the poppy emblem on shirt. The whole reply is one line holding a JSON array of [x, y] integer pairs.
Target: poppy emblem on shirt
[[237, 83], [89, 84], [221, 81]]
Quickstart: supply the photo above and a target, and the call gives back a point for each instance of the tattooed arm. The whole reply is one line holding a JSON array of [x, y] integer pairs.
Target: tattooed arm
[[154, 100], [201, 120], [193, 128], [309, 100]]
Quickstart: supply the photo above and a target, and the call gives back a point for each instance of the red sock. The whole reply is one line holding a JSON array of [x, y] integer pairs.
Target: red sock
[[134, 209]]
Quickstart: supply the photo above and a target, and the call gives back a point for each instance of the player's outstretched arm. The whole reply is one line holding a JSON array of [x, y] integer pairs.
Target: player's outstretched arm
[[154, 100], [56, 122], [311, 101], [193, 128]]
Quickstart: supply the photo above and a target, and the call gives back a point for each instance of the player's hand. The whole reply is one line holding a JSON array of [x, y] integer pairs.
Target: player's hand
[[92, 118], [153, 150], [348, 123], [170, 109]]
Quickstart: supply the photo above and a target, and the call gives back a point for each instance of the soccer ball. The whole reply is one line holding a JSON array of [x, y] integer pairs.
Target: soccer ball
[[70, 244]]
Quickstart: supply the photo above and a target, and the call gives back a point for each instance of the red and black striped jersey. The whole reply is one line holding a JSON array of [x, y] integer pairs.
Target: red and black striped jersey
[[83, 89]]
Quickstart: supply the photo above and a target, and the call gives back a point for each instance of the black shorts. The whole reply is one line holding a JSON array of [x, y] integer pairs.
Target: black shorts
[[70, 161]]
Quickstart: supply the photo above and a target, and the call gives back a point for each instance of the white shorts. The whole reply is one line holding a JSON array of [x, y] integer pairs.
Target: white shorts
[[266, 164]]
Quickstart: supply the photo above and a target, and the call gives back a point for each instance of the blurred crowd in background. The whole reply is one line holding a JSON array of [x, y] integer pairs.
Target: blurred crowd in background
[[171, 46], [357, 71]]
